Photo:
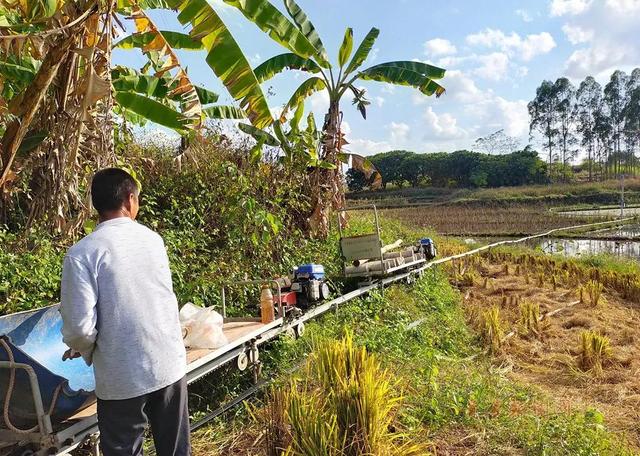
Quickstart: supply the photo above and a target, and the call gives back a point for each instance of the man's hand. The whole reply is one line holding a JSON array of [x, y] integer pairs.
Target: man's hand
[[71, 354]]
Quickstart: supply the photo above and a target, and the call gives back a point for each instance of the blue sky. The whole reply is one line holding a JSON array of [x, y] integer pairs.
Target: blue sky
[[496, 55]]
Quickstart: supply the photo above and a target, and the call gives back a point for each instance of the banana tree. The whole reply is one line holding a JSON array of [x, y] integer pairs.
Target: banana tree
[[337, 81], [60, 93]]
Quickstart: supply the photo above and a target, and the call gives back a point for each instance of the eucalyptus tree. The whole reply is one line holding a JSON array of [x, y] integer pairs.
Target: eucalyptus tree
[[565, 93], [587, 109], [543, 112], [615, 99], [337, 80], [632, 117]]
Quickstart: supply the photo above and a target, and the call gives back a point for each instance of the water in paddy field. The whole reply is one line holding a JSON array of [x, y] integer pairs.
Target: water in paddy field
[[630, 232], [585, 247], [611, 212]]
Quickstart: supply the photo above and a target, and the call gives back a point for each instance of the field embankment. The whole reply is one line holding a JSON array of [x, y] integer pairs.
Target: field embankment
[[577, 195], [487, 220]]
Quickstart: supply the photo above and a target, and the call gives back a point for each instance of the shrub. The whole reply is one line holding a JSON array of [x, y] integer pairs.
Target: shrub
[[594, 290], [529, 318]]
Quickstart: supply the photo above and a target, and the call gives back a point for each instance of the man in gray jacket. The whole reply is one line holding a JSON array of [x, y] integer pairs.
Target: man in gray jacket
[[120, 314]]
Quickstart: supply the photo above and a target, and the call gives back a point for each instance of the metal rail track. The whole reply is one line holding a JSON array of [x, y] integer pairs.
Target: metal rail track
[[319, 310], [78, 433]]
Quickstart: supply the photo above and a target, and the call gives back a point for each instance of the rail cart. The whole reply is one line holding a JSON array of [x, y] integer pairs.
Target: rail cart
[[364, 256], [48, 405], [51, 407]]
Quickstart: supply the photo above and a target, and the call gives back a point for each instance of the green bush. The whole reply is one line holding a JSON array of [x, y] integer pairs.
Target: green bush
[[30, 268]]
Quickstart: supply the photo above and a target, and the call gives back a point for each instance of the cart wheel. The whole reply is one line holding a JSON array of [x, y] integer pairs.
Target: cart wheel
[[243, 361], [300, 330], [254, 356], [19, 450], [290, 333]]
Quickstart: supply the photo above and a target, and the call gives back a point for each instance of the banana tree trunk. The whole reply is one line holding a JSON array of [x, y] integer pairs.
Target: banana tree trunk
[[75, 115], [328, 189], [28, 107], [80, 140]]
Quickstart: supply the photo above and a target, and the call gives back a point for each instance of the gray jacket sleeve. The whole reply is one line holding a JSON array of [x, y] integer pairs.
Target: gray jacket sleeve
[[79, 297]]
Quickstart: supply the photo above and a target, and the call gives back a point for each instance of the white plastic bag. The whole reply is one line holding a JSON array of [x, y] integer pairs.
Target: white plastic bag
[[202, 327]]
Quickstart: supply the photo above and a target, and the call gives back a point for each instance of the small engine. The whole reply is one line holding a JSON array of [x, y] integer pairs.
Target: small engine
[[428, 248], [309, 284], [305, 287]]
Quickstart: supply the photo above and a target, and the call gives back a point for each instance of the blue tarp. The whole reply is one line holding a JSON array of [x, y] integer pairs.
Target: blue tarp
[[34, 338]]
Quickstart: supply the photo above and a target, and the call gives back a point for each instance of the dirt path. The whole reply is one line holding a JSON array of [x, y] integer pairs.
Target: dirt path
[[550, 360]]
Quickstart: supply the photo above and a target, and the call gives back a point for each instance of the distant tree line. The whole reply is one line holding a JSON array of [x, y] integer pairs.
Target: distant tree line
[[604, 123], [460, 169]]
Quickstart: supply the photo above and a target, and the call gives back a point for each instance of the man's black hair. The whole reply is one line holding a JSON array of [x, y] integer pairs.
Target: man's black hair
[[110, 188]]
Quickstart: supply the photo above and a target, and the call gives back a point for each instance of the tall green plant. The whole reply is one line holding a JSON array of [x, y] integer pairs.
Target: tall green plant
[[337, 80], [61, 95]]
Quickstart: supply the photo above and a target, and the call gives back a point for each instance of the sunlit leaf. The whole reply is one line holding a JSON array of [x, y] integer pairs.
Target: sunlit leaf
[[175, 39], [270, 67], [346, 47], [308, 29], [259, 135], [363, 50], [224, 112], [152, 110], [271, 21], [225, 58], [306, 89], [400, 74]]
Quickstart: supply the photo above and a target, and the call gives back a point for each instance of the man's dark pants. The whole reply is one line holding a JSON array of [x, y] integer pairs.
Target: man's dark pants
[[123, 423]]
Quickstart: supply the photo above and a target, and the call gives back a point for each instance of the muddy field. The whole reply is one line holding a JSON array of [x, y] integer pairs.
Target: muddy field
[[487, 220], [550, 354]]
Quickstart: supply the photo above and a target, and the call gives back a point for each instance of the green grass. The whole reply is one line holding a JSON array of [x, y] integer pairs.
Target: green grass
[[447, 384]]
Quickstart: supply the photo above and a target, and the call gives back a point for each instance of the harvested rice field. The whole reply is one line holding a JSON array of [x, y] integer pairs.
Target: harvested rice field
[[558, 327]]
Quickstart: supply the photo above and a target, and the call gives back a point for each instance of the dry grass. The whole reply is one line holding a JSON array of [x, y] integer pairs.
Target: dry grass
[[599, 371]]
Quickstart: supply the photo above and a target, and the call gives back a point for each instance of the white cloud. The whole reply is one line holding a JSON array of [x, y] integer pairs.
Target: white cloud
[[513, 45], [319, 101], [569, 7], [493, 66], [524, 15], [388, 89], [379, 101], [442, 126], [611, 28], [624, 6], [576, 34], [495, 113], [462, 88], [439, 46], [398, 132], [601, 59], [368, 146], [255, 59], [372, 57]]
